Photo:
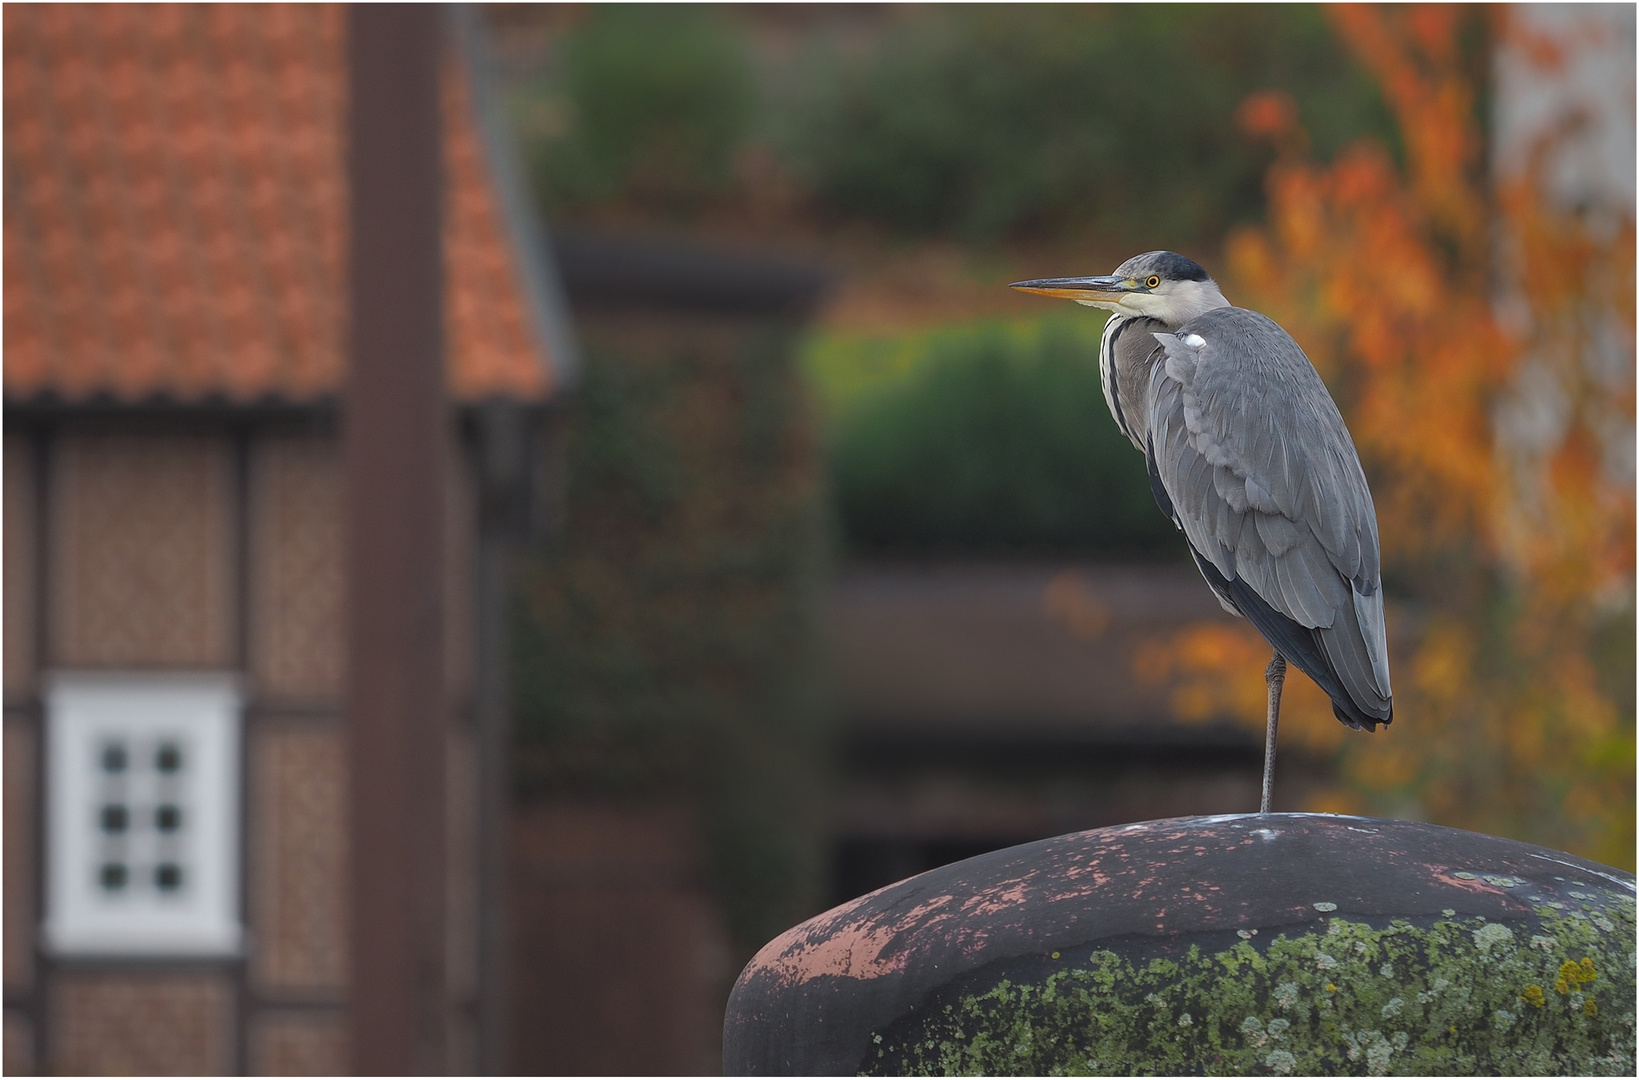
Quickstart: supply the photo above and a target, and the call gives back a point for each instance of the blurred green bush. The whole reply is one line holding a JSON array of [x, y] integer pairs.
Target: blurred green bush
[[647, 102], [976, 121], [983, 120], [991, 439]]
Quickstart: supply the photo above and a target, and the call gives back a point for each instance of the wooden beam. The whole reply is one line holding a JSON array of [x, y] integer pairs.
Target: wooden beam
[[395, 435]]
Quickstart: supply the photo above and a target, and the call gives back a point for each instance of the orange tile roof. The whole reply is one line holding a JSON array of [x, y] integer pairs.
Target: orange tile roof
[[175, 211]]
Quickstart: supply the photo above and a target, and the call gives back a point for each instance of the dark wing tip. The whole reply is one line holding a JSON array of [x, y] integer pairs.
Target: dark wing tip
[[1361, 722]]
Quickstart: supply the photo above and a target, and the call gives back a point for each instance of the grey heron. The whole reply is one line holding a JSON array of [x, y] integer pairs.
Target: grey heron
[[1250, 458]]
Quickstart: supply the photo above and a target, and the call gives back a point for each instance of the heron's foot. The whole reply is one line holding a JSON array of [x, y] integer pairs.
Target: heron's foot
[[1275, 673]]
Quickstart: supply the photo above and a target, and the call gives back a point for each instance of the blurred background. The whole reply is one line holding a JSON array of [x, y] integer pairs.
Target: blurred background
[[790, 552]]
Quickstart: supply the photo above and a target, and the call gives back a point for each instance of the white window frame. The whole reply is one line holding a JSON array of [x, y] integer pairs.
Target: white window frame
[[200, 712]]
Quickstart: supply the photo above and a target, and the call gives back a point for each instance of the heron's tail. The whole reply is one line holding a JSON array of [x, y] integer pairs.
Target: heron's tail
[[1305, 647]]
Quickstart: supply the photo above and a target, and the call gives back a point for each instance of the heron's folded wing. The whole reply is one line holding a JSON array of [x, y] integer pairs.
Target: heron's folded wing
[[1265, 482]]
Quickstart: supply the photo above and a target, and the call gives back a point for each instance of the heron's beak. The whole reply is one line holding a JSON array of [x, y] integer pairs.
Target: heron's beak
[[1078, 288]]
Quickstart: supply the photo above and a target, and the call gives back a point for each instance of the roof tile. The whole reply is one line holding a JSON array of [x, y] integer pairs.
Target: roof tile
[[175, 211]]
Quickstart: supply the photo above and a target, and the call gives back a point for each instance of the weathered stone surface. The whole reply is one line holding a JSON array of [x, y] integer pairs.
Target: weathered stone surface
[[1286, 943]]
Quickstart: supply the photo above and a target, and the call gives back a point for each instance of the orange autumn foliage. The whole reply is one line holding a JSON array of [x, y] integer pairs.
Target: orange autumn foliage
[[1479, 338]]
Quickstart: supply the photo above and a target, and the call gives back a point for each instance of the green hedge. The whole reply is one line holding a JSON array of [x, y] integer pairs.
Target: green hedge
[[993, 439]]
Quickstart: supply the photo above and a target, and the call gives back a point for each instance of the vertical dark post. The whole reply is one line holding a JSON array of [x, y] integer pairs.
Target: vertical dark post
[[501, 469], [395, 433]]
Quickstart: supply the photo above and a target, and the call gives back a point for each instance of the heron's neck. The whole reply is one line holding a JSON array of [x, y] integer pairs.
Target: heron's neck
[[1126, 353]]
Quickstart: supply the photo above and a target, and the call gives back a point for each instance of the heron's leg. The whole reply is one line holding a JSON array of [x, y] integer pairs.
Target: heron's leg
[[1275, 676]]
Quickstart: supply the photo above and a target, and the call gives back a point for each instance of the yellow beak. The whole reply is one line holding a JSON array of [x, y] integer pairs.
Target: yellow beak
[[1078, 288]]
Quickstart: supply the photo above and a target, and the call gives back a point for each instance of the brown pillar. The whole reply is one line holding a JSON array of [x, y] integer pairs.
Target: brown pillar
[[395, 433]]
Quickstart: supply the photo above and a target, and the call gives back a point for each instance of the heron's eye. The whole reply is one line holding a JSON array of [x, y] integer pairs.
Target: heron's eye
[[1152, 282]]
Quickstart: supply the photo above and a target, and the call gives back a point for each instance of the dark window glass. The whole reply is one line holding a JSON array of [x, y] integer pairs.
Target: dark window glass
[[113, 757], [115, 818], [168, 876], [113, 876], [168, 818], [169, 758]]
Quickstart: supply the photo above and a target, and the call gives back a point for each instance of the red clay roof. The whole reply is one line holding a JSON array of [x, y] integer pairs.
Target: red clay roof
[[175, 204]]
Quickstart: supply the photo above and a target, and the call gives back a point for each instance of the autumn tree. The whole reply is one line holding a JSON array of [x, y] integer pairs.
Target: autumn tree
[[1479, 337]]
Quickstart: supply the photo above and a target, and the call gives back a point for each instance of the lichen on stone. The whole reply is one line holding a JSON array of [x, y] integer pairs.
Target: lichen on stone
[[1457, 996], [1492, 934]]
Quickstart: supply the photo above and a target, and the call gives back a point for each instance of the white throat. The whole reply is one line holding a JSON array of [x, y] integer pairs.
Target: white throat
[[1175, 303]]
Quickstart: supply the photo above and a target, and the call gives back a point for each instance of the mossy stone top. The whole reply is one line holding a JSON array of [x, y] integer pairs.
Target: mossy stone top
[[1266, 944]]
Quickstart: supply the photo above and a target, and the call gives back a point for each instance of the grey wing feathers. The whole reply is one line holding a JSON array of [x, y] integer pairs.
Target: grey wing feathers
[[1265, 482]]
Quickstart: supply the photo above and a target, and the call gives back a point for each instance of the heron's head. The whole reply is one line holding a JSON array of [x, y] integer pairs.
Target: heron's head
[[1160, 284]]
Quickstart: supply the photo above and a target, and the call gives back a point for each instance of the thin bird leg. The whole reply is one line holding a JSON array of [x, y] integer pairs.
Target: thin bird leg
[[1275, 676]]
